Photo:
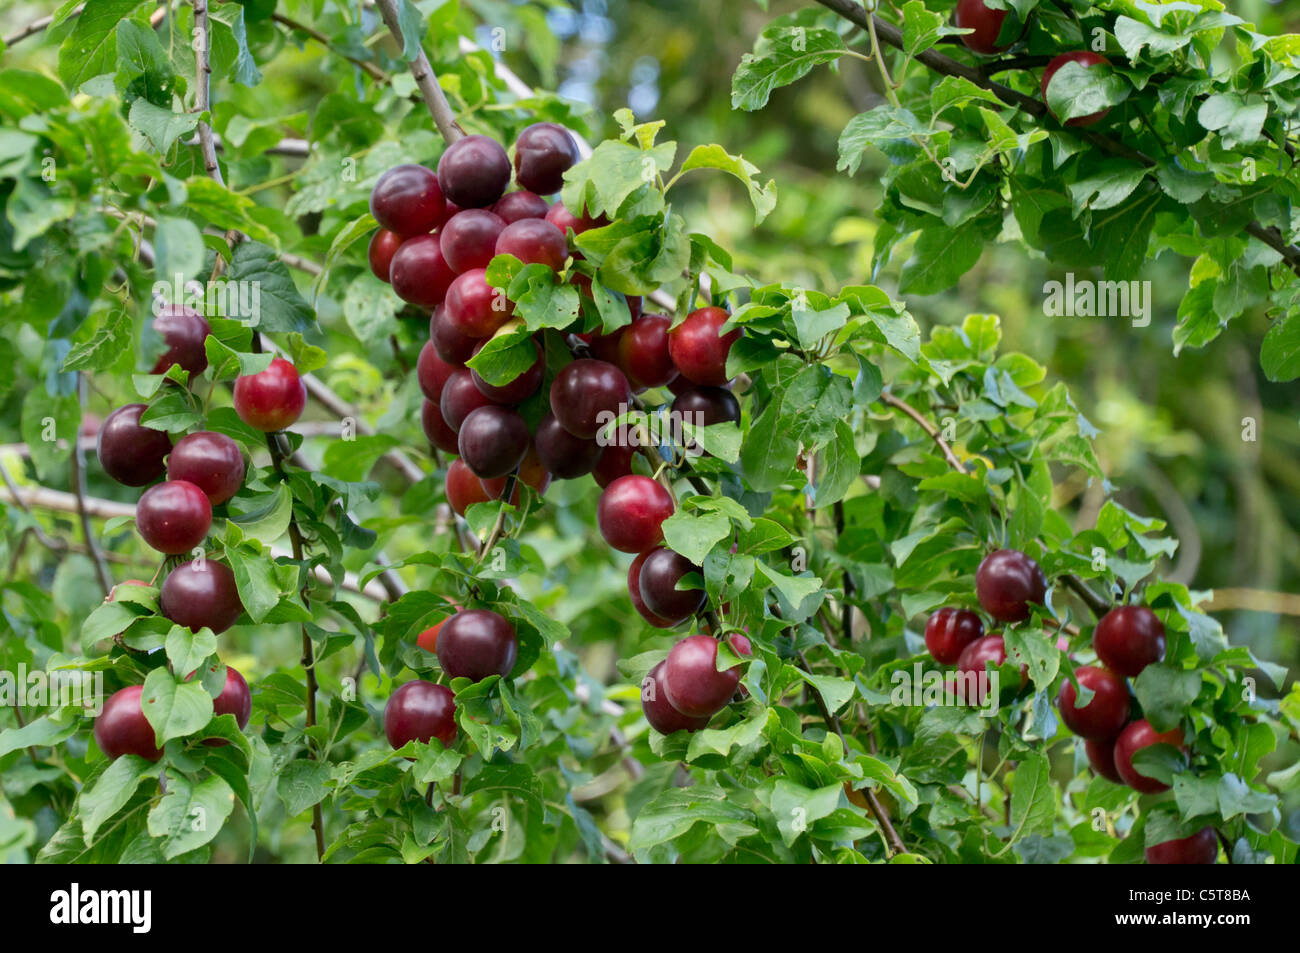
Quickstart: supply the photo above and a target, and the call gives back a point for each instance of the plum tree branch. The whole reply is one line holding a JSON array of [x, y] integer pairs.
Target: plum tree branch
[[370, 69], [892, 35], [422, 73], [78, 480], [203, 91]]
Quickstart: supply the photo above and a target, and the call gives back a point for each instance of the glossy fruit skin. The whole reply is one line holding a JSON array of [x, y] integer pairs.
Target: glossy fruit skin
[[432, 372], [1128, 639], [584, 391], [988, 648], [474, 307], [631, 513], [450, 345], [659, 712], [195, 597], [418, 272], [517, 390], [634, 593], [174, 517], [1006, 582], [235, 698], [563, 454], [1134, 738], [1101, 755], [643, 351], [1104, 717], [383, 246], [698, 349], [515, 206], [131, 453], [532, 472], [657, 584], [273, 399], [408, 200], [477, 643], [566, 221], [420, 711], [121, 727], [691, 681], [211, 461], [1199, 848], [435, 428], [468, 239], [534, 241], [713, 405], [543, 153], [464, 488], [948, 631], [460, 398], [474, 171], [1087, 59], [493, 441], [615, 462], [987, 24], [183, 330]]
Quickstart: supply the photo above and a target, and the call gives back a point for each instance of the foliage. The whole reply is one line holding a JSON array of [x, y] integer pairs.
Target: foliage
[[827, 525]]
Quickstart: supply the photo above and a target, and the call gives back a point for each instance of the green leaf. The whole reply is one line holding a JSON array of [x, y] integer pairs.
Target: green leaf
[[796, 807], [302, 784], [1166, 693], [943, 254], [786, 55], [677, 810], [255, 579], [763, 197], [1077, 90], [174, 709], [190, 815], [277, 304], [695, 534], [1033, 802], [91, 48], [111, 791], [188, 650], [39, 733], [111, 339], [161, 126]]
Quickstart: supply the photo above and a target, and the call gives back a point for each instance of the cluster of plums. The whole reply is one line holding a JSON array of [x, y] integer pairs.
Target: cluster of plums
[[987, 25], [471, 643], [202, 470], [1126, 640], [1007, 583], [438, 233]]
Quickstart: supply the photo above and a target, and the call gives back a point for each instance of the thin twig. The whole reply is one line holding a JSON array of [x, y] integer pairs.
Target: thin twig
[[370, 69], [78, 481]]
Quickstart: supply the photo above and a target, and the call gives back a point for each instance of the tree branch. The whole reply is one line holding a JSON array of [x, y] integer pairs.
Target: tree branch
[[78, 481], [422, 73], [203, 92], [370, 69]]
